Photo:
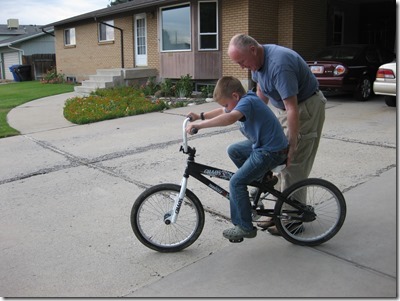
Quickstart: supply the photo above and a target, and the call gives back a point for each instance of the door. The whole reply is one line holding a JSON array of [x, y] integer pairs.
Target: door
[[140, 40], [10, 58]]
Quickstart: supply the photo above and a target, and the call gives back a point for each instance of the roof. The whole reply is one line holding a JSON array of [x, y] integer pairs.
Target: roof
[[124, 7], [26, 36], [22, 29]]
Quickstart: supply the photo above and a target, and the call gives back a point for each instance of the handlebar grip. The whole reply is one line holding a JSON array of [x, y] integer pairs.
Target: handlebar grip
[[194, 131]]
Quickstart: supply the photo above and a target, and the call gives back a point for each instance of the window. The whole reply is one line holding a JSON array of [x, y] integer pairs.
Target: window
[[338, 19], [175, 26], [106, 33], [208, 25], [69, 37]]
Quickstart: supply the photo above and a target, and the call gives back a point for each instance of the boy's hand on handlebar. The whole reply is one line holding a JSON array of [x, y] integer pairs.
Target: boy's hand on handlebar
[[193, 116], [191, 129]]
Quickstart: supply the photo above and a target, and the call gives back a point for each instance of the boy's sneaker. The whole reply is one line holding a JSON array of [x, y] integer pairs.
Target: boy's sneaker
[[237, 233]]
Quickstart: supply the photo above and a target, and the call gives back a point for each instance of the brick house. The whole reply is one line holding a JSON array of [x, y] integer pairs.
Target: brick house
[[170, 38]]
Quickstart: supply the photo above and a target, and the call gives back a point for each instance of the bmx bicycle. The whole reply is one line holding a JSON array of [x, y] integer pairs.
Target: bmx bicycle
[[169, 217]]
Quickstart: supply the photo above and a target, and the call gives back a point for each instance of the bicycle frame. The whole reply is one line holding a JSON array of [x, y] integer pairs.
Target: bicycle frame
[[199, 171]]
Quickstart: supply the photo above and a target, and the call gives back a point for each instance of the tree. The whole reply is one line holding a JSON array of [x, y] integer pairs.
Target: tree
[[116, 2]]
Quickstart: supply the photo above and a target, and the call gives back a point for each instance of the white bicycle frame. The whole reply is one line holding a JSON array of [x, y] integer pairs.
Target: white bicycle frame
[[179, 199]]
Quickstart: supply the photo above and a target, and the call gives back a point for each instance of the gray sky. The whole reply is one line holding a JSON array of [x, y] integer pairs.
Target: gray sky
[[42, 12]]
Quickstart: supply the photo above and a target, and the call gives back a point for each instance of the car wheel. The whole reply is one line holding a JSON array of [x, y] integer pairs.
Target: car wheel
[[390, 101], [364, 89]]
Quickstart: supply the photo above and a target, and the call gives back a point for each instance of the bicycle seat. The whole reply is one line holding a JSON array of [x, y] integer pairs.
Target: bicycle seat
[[269, 179], [279, 168]]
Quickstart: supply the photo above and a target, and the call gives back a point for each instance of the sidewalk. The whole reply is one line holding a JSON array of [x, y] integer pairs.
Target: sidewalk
[[40, 115], [360, 261]]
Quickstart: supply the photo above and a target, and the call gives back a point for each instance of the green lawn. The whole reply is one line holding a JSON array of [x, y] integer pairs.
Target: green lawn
[[17, 93]]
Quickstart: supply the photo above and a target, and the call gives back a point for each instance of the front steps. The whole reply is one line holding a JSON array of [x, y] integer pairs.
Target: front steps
[[109, 78]]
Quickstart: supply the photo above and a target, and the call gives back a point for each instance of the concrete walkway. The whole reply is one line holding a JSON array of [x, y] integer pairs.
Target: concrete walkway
[[66, 192]]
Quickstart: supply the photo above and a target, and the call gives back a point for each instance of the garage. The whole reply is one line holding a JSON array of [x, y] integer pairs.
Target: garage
[[9, 59]]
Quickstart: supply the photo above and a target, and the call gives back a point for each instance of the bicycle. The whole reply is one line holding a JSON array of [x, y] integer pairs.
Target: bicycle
[[169, 217]]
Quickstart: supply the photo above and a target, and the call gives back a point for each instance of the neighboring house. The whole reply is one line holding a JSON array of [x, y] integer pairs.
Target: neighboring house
[[17, 49], [13, 29], [175, 38]]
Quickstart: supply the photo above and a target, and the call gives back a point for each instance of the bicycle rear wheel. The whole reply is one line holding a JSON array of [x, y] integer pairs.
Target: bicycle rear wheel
[[149, 218], [323, 217]]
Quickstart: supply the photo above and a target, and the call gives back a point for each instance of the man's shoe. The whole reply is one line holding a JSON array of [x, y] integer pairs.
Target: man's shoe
[[237, 233], [294, 228]]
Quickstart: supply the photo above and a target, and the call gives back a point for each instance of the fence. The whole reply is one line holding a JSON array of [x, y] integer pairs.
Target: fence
[[40, 64]]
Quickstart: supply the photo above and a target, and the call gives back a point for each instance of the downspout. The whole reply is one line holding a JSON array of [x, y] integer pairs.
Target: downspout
[[49, 33], [21, 50], [122, 40]]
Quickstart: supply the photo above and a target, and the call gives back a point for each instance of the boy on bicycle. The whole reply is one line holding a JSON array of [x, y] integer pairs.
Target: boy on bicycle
[[265, 148]]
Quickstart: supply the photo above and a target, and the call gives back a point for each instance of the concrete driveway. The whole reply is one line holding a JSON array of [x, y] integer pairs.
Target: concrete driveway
[[67, 191]]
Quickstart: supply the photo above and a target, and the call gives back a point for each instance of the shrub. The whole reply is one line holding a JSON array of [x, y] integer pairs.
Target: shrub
[[167, 88], [184, 87], [52, 77], [150, 87], [112, 103]]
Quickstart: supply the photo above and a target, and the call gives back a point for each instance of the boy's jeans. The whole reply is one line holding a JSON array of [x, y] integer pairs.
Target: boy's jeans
[[252, 164]]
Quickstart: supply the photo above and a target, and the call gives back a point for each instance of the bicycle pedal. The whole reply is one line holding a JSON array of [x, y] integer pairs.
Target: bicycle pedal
[[236, 240]]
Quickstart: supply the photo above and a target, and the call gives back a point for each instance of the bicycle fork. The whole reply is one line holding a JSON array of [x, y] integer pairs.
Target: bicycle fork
[[173, 216]]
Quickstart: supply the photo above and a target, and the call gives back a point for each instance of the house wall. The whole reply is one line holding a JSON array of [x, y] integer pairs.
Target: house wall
[[39, 45], [296, 24], [88, 54], [309, 32], [234, 19], [153, 54]]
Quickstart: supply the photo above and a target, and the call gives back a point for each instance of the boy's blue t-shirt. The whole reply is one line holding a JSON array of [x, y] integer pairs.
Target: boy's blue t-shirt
[[260, 125], [284, 74]]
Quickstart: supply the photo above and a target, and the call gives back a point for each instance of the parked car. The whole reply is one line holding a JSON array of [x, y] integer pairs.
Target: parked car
[[385, 83], [349, 68]]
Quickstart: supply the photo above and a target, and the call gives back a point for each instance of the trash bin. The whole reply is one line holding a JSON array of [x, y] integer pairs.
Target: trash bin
[[13, 70], [24, 72]]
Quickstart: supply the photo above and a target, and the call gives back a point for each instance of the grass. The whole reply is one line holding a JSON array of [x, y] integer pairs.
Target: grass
[[17, 93], [101, 105]]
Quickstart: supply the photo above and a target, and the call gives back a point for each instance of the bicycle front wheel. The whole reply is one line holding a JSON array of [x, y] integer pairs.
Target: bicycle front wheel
[[322, 218], [149, 218]]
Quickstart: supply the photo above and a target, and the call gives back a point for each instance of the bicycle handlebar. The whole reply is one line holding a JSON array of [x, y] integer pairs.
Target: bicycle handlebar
[[184, 134]]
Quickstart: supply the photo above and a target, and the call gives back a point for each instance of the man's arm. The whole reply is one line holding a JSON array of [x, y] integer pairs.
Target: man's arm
[[261, 95], [292, 112]]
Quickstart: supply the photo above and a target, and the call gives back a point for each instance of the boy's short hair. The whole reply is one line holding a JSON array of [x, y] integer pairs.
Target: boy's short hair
[[227, 85]]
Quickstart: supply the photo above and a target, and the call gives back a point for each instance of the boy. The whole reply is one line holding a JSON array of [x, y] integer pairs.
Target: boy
[[265, 148]]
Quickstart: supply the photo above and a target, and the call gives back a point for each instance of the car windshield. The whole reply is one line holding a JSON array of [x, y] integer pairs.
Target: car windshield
[[342, 53]]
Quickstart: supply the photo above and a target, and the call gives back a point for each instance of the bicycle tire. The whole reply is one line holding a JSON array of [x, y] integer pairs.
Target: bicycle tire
[[148, 218], [328, 204]]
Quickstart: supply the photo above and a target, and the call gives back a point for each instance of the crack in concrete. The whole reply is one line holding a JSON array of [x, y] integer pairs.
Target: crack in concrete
[[95, 162]]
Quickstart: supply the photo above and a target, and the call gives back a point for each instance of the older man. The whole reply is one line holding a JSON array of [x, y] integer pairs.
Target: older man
[[284, 78]]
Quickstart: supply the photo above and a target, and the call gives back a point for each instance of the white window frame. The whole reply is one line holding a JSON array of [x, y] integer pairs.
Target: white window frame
[[208, 33], [109, 31], [190, 27], [69, 37]]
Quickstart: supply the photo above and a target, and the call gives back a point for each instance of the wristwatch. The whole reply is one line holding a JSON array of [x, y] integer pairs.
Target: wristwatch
[[202, 116]]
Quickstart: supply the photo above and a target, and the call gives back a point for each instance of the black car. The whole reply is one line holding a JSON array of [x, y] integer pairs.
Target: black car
[[349, 68]]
